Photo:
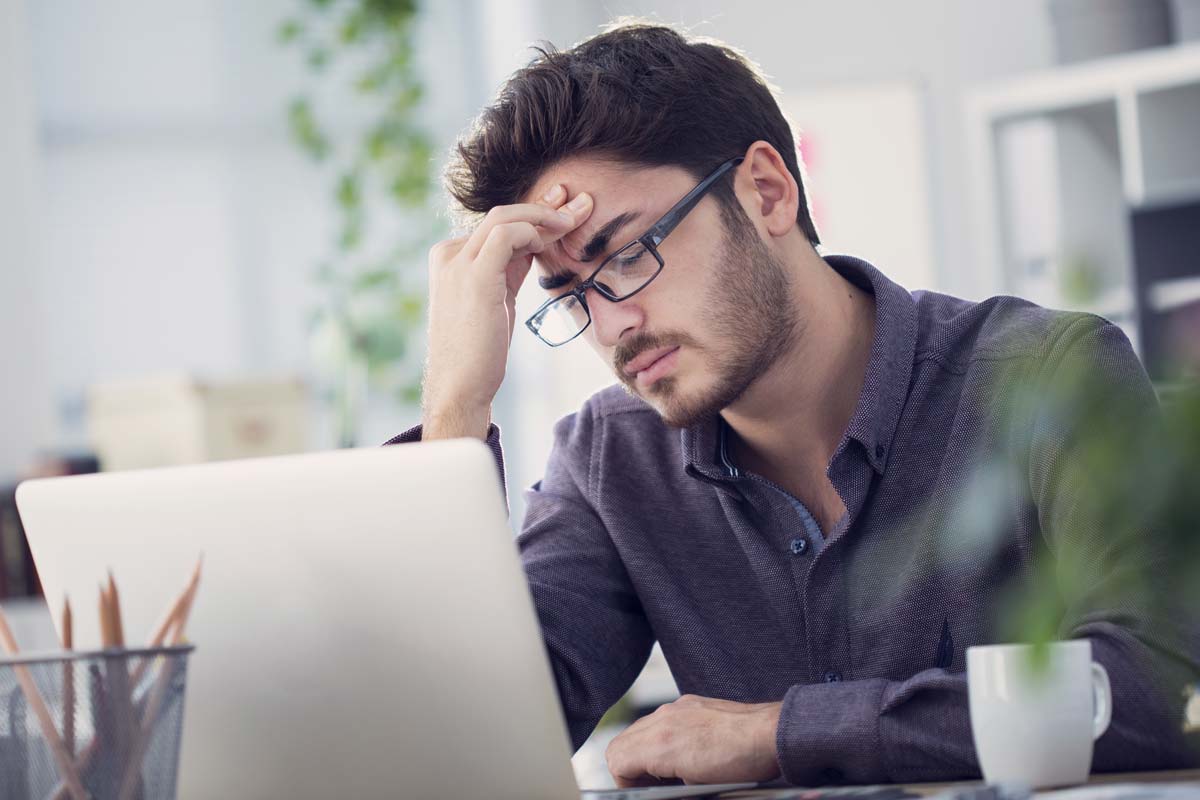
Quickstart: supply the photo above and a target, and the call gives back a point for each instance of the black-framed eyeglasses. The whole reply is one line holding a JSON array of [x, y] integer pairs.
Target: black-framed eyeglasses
[[620, 276]]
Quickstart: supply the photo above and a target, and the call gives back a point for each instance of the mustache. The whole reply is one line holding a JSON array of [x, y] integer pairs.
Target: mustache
[[639, 343]]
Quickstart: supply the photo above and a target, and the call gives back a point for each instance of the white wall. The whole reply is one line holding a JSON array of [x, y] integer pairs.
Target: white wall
[[173, 224], [24, 414]]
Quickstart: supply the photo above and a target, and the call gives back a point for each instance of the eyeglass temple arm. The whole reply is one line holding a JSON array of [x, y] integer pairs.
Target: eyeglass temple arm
[[681, 209]]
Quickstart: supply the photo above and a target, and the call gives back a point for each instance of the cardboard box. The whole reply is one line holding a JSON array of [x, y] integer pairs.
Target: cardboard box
[[178, 419]]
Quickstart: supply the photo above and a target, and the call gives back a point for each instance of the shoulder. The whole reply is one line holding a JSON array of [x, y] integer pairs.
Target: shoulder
[[613, 432], [958, 333], [611, 408]]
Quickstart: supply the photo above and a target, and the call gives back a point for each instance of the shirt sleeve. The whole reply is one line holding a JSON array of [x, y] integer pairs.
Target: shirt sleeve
[[876, 730], [596, 633]]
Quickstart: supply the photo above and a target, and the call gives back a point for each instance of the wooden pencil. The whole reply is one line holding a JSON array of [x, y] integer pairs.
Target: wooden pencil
[[167, 625], [66, 764], [106, 632], [68, 642], [159, 634], [114, 600], [165, 675], [117, 671]]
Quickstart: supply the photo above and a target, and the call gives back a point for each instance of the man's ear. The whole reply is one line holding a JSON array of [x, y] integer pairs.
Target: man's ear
[[771, 191]]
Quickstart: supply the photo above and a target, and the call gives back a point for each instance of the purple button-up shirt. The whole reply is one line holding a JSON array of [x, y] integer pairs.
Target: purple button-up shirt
[[639, 532]]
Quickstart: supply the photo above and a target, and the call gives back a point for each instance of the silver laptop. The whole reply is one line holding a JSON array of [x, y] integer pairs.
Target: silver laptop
[[363, 627]]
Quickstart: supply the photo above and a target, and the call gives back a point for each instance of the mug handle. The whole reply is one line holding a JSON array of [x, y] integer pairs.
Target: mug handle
[[1101, 700]]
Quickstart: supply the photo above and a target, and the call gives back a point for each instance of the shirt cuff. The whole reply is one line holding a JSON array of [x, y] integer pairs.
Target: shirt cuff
[[829, 733], [413, 435]]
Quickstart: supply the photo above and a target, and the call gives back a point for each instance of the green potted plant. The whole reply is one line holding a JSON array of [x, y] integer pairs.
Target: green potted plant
[[1130, 472], [362, 333]]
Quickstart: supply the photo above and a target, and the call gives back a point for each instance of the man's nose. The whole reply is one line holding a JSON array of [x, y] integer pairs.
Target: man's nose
[[612, 320]]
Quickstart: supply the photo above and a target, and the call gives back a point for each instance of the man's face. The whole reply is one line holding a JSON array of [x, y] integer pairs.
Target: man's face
[[718, 315]]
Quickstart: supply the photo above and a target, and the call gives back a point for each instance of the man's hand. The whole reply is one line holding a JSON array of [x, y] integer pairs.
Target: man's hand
[[473, 283], [698, 740]]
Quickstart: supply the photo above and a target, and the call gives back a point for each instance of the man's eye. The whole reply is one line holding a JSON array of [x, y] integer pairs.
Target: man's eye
[[632, 257]]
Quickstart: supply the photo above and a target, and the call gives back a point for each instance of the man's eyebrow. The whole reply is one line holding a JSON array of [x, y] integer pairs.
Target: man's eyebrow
[[555, 281], [599, 241], [596, 245]]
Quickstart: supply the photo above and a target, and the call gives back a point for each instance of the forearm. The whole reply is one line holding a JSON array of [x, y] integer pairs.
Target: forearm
[[1146, 732], [877, 730], [588, 673], [456, 422]]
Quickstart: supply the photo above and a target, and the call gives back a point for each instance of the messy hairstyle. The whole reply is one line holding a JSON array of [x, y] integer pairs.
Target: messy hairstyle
[[641, 94]]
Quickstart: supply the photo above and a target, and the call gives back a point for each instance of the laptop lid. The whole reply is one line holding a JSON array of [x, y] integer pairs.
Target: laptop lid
[[363, 626]]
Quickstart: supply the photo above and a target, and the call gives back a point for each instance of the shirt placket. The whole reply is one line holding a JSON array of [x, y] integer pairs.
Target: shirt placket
[[757, 515], [830, 653]]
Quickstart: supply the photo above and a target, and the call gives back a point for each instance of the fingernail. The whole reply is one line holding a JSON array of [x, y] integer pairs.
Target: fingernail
[[553, 193], [579, 203]]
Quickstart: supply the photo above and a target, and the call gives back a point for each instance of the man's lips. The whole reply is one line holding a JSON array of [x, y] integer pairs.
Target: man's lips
[[645, 360]]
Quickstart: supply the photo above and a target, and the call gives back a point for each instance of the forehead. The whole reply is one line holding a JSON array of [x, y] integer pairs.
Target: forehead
[[608, 181], [616, 188]]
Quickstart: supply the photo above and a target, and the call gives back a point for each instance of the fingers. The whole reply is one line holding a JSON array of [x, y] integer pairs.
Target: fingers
[[578, 209], [644, 753], [555, 223], [554, 196], [509, 240], [677, 742]]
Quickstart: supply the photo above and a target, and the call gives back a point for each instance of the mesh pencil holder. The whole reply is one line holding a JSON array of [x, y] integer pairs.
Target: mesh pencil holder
[[103, 725]]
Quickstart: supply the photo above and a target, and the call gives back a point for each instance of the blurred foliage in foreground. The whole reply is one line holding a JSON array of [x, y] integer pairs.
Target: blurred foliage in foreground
[[1128, 475]]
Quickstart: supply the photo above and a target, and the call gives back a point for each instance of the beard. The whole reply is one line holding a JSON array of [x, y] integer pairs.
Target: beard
[[752, 322]]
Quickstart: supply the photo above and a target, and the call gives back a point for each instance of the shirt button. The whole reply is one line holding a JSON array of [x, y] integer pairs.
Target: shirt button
[[799, 547], [879, 451], [833, 677]]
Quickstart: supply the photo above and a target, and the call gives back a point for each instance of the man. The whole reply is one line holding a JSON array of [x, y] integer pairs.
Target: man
[[771, 493]]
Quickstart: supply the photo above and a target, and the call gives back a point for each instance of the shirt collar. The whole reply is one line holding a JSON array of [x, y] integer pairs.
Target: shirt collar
[[884, 391]]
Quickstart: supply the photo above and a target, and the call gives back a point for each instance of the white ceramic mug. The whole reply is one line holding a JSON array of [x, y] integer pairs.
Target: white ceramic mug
[[1035, 724]]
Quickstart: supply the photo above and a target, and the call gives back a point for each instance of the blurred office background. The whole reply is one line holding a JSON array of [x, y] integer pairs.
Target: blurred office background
[[161, 226]]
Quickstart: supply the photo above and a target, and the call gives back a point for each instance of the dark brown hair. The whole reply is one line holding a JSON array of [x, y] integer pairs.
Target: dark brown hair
[[639, 93]]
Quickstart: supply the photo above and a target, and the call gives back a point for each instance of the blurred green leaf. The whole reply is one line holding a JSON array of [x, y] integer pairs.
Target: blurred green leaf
[[305, 132], [351, 29], [373, 279], [370, 82], [317, 58], [349, 191], [351, 234], [289, 30], [411, 309], [369, 317], [1080, 281], [411, 394]]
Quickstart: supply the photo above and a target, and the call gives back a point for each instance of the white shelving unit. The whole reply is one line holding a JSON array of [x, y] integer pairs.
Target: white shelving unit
[[1063, 158]]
